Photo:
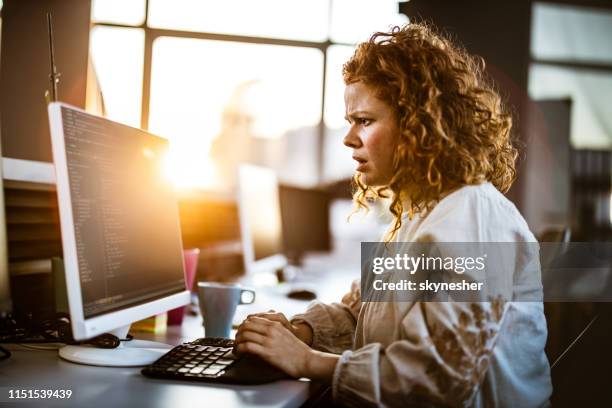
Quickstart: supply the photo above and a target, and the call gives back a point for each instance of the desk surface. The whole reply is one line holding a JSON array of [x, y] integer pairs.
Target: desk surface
[[126, 387]]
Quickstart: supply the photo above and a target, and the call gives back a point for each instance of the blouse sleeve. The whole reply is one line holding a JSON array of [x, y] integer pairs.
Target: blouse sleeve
[[333, 325], [442, 358]]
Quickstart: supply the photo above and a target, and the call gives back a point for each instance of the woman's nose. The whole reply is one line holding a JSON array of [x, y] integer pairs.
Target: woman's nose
[[351, 139]]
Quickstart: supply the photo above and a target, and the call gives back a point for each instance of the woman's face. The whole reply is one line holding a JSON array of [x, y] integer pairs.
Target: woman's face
[[372, 134]]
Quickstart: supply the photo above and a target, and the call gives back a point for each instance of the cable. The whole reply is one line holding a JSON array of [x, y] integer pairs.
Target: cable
[[54, 330], [42, 346], [573, 342]]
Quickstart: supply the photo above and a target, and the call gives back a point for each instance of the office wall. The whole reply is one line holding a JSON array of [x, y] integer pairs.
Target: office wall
[[25, 68], [498, 31], [547, 165]]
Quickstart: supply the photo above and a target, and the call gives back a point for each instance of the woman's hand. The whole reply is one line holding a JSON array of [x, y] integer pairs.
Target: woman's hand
[[274, 342], [273, 339], [301, 330]]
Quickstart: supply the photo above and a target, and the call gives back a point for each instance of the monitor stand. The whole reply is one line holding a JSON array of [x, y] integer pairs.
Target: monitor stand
[[133, 353]]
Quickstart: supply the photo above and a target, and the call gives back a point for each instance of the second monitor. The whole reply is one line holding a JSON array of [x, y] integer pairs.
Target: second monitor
[[279, 225], [260, 220]]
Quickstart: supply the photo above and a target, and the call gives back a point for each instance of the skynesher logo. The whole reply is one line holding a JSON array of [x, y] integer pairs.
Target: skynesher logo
[[427, 285]]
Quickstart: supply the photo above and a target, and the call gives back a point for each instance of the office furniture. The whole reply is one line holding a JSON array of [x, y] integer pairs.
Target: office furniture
[[105, 387], [93, 387]]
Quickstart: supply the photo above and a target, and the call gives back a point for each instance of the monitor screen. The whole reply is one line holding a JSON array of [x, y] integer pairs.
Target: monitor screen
[[260, 216], [124, 214], [305, 219]]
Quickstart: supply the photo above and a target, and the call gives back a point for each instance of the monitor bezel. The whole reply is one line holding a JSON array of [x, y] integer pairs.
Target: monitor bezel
[[271, 263], [83, 327]]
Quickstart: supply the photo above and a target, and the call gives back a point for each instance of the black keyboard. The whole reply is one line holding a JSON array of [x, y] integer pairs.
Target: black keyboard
[[212, 360]]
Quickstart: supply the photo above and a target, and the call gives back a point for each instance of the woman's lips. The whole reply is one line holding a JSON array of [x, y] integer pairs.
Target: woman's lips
[[361, 164]]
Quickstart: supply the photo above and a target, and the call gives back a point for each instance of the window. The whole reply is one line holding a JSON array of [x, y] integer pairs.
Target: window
[[117, 55], [234, 81], [288, 19], [128, 12], [572, 57], [225, 96], [353, 21], [337, 158], [591, 117], [571, 33]]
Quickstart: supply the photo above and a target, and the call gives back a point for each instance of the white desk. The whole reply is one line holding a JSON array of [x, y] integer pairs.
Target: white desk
[[329, 276], [106, 387]]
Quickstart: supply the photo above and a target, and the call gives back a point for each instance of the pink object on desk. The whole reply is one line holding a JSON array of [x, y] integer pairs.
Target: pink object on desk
[[190, 257]]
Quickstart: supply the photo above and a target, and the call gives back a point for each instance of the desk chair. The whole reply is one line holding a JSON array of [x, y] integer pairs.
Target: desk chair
[[575, 347]]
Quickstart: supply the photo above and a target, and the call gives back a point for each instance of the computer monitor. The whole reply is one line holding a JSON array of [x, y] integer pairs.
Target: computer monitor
[[260, 220], [29, 188], [305, 219], [120, 232]]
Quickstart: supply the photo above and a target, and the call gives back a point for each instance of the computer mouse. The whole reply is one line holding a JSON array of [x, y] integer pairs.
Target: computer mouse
[[301, 294]]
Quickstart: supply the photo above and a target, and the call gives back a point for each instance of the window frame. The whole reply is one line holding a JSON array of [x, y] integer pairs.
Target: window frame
[[580, 65], [152, 33]]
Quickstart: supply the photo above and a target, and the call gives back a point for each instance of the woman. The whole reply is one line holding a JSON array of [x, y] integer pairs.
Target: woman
[[430, 135]]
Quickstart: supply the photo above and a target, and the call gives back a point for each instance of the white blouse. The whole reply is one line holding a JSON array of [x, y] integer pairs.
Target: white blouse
[[454, 354]]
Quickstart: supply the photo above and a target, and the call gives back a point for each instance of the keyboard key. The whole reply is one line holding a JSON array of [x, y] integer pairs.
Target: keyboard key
[[211, 371], [203, 358], [217, 367]]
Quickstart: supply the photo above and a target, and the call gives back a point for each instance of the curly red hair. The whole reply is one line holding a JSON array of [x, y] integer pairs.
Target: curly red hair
[[454, 128]]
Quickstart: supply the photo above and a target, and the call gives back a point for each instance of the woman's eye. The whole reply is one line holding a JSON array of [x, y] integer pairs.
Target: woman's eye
[[364, 122]]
